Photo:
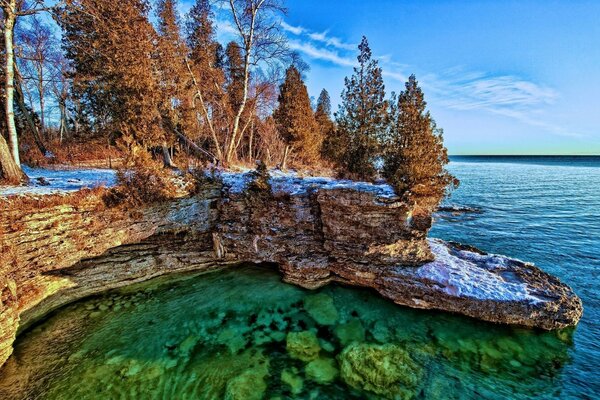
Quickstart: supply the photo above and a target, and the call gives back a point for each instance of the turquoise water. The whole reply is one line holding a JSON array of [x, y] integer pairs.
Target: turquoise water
[[243, 334], [545, 210]]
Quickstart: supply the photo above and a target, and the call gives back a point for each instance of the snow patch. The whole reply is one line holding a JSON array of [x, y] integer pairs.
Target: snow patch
[[469, 274], [48, 181], [294, 184]]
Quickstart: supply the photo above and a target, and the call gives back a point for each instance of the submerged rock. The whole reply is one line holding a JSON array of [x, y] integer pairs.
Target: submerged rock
[[303, 346], [250, 385], [293, 380], [386, 370], [321, 308], [322, 370], [349, 332]]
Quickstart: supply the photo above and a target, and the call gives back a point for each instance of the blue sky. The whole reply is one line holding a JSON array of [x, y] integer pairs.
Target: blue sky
[[501, 77]]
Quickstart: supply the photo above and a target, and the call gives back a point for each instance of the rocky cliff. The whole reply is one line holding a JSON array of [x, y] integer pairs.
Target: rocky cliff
[[315, 230]]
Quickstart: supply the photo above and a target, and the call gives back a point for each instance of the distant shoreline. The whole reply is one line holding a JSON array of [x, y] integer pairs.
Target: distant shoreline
[[592, 161]]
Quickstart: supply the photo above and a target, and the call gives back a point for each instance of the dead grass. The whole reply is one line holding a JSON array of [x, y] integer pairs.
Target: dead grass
[[78, 153]]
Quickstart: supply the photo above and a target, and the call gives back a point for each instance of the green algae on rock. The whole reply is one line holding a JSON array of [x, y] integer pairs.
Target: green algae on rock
[[293, 380], [322, 370], [386, 370], [303, 346]]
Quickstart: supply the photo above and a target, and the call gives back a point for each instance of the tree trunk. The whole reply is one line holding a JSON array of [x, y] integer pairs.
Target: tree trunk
[[248, 46], [9, 78], [62, 130], [42, 104], [9, 170], [167, 160], [288, 149]]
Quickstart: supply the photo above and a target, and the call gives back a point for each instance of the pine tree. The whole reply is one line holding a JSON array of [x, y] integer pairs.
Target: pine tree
[[234, 67], [295, 119], [111, 47], [415, 156], [323, 105], [362, 117], [332, 147], [173, 75]]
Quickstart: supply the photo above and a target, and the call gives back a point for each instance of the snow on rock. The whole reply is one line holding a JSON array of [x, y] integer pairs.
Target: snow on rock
[[294, 184], [468, 274], [49, 181]]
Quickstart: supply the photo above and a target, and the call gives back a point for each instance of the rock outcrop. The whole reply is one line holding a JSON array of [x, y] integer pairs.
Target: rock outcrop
[[316, 231]]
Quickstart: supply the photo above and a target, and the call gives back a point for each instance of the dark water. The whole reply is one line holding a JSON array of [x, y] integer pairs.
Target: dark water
[[243, 334]]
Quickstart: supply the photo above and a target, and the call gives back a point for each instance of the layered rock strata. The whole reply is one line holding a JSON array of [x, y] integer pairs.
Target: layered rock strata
[[316, 231]]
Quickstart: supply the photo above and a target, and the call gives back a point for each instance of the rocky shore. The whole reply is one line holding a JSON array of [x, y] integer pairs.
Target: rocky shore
[[315, 230]]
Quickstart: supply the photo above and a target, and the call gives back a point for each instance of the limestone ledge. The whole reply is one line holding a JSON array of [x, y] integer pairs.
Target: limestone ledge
[[316, 230]]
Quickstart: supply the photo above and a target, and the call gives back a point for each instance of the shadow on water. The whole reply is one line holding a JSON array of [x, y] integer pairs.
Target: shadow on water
[[243, 334]]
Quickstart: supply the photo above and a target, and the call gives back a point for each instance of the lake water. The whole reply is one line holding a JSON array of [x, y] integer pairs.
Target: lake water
[[243, 334]]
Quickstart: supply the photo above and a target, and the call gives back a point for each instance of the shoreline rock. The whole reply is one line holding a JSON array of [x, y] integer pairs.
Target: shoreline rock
[[315, 230]]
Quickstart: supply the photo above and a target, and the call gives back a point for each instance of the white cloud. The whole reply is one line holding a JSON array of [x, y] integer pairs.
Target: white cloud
[[320, 37], [320, 53], [456, 88], [296, 30]]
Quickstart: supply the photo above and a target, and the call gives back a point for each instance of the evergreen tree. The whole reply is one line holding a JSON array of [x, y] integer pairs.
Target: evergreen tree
[[295, 119], [362, 118], [111, 47], [415, 156], [234, 67], [332, 147], [174, 78], [201, 34], [323, 106]]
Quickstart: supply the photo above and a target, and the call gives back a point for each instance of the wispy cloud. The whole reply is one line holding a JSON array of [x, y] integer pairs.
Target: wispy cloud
[[458, 88], [296, 30], [320, 37], [321, 53], [506, 95]]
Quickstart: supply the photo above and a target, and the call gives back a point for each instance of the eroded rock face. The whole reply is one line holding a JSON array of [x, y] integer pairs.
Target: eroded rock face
[[316, 230]]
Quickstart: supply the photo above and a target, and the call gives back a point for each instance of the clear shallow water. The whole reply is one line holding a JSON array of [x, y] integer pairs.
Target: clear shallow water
[[242, 334], [545, 210]]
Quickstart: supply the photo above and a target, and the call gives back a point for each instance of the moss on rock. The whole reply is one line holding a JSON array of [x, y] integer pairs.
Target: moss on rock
[[386, 370], [322, 370], [250, 385], [303, 346]]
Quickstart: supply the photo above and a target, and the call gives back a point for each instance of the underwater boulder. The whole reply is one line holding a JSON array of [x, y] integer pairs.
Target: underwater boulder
[[349, 332], [250, 385], [303, 346], [386, 370], [322, 370], [321, 308]]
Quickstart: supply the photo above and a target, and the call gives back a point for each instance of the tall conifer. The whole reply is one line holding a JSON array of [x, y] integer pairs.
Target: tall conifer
[[295, 119], [111, 46], [362, 117], [415, 156]]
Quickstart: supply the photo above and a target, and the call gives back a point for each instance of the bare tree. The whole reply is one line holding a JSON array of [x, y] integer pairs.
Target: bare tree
[[11, 11], [38, 47], [261, 41]]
